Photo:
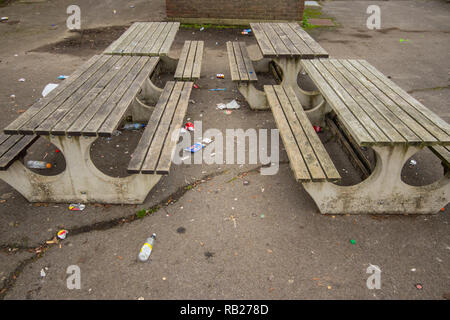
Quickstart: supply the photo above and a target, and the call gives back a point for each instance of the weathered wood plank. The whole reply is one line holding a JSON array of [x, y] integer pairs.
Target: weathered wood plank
[[151, 30], [69, 118], [13, 127], [240, 62], [321, 153], [118, 41], [286, 40], [147, 138], [443, 153], [105, 97], [169, 39], [196, 71], [350, 122], [147, 49], [263, 42], [247, 62], [432, 122], [233, 63], [9, 143], [29, 127], [301, 139], [304, 51], [16, 150], [187, 74], [182, 61], [317, 50], [141, 35], [361, 84], [167, 153], [392, 102], [120, 49], [92, 83], [115, 117], [296, 161], [359, 106], [153, 155], [277, 43], [160, 40], [95, 123]]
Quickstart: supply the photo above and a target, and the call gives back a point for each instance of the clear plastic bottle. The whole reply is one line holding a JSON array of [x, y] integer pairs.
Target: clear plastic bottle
[[34, 164], [147, 248], [133, 126]]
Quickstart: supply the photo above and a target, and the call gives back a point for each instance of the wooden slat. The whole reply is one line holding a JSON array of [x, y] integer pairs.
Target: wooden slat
[[64, 124], [114, 119], [317, 50], [196, 71], [142, 34], [167, 153], [240, 62], [152, 158], [356, 103], [120, 49], [390, 100], [275, 40], [233, 63], [3, 137], [116, 43], [263, 42], [326, 163], [187, 74], [160, 40], [169, 39], [147, 49], [96, 122], [285, 38], [248, 63], [92, 83], [13, 127], [151, 30], [105, 97], [350, 122], [443, 153], [304, 51], [29, 127], [15, 151], [296, 161], [182, 61], [362, 85], [146, 140], [8, 143], [432, 122], [302, 142]]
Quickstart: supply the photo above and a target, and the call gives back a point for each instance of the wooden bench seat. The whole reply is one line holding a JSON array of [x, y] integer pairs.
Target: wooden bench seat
[[241, 66], [190, 63], [155, 148], [443, 152], [12, 147], [308, 158]]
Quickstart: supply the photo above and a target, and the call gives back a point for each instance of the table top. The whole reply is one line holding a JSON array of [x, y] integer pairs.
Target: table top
[[286, 40], [145, 39], [91, 102], [373, 109]]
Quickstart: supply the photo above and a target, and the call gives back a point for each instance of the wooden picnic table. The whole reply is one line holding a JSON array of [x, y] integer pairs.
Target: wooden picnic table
[[377, 113], [287, 44], [145, 39], [92, 102]]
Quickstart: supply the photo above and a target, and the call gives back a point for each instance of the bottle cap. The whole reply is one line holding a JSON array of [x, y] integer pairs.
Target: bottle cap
[[48, 165]]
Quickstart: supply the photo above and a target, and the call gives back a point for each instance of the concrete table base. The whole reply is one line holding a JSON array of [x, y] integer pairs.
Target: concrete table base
[[383, 192], [81, 181]]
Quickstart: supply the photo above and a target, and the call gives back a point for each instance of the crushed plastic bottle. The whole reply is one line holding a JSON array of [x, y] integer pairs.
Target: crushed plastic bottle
[[147, 248], [34, 164], [133, 126]]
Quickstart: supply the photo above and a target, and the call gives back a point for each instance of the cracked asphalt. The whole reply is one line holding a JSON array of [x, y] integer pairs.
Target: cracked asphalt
[[218, 238]]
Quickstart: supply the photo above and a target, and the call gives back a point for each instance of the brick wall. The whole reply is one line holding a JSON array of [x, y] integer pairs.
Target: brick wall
[[236, 9]]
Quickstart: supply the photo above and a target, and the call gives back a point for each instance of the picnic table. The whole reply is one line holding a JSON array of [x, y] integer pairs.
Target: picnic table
[[378, 114], [287, 44]]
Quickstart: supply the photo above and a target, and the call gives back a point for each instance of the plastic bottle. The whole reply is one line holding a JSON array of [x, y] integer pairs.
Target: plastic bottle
[[147, 248], [33, 164], [133, 126]]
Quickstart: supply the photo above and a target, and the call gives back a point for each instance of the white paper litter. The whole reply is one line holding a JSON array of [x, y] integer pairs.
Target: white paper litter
[[48, 88]]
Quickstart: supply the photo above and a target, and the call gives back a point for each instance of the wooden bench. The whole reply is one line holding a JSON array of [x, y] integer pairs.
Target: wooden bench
[[92, 101], [308, 158], [154, 151], [243, 73], [190, 62], [13, 147]]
